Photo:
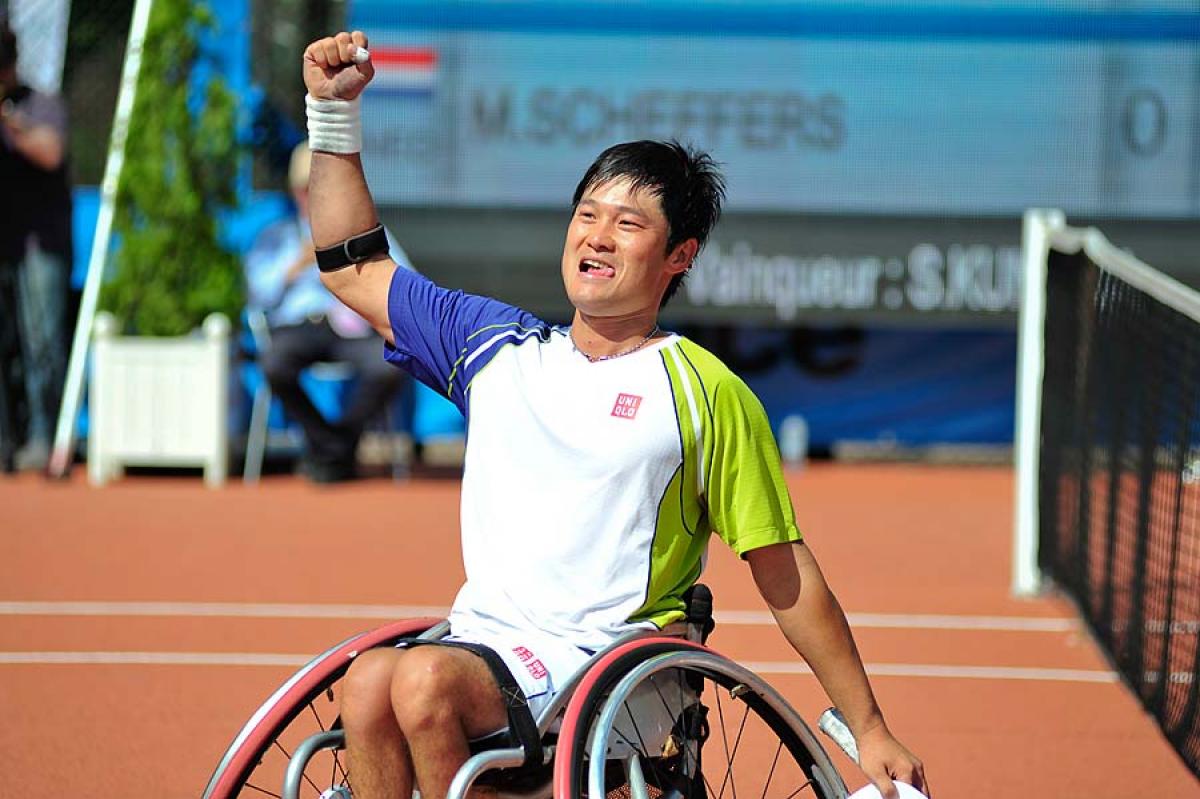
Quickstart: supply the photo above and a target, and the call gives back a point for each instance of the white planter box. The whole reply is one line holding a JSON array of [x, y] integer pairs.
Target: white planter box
[[159, 401]]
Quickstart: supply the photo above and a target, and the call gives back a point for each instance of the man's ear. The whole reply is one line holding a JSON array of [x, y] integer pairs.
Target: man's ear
[[682, 256]]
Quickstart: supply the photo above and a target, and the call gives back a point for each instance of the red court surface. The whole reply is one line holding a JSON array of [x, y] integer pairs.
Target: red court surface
[[143, 622]]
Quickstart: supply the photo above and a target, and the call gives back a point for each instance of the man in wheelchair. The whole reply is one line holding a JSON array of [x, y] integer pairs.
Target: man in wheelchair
[[600, 458]]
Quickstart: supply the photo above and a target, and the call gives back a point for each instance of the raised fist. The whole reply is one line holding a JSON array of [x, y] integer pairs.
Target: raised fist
[[330, 69]]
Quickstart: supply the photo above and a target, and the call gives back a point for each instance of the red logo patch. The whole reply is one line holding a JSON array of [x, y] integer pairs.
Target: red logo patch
[[626, 406], [535, 666]]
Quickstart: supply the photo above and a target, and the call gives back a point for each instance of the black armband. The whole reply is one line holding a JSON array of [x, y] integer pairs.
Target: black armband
[[353, 250]]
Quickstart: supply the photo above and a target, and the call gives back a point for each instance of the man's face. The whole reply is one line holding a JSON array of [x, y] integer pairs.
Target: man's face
[[615, 260]]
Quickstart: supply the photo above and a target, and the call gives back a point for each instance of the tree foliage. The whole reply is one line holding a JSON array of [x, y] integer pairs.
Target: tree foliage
[[179, 174]]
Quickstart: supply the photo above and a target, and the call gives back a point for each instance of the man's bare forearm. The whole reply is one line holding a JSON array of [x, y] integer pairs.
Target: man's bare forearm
[[339, 201], [829, 648], [814, 624]]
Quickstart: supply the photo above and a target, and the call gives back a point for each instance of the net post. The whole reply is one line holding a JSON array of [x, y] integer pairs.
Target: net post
[[1037, 228]]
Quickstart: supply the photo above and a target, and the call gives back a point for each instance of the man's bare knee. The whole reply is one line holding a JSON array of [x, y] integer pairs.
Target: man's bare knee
[[366, 690], [424, 689]]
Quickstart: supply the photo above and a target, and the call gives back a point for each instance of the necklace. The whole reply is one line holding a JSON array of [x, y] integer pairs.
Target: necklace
[[634, 348]]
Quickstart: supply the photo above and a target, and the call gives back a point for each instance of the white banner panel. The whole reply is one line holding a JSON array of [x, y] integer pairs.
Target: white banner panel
[[974, 109]]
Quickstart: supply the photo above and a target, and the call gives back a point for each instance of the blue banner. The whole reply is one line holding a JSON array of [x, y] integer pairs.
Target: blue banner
[[878, 386]]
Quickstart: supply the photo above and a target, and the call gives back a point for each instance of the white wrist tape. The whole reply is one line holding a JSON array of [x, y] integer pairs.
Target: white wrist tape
[[334, 126]]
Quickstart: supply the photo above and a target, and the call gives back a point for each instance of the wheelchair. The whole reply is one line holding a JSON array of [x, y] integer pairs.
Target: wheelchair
[[655, 715]]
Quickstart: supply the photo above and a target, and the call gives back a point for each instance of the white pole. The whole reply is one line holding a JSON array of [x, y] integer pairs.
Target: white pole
[[1035, 243], [64, 434]]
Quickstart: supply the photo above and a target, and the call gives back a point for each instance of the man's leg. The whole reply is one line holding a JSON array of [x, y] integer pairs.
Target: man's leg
[[377, 755], [293, 349], [43, 286], [377, 384], [409, 716], [11, 387]]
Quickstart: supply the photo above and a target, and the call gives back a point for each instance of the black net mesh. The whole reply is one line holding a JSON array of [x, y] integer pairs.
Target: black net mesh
[[1119, 482]]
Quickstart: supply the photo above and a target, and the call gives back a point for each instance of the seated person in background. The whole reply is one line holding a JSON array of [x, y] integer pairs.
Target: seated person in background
[[309, 325]]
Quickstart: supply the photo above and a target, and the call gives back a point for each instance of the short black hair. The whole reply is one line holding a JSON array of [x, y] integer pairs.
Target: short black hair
[[687, 182], [8, 46]]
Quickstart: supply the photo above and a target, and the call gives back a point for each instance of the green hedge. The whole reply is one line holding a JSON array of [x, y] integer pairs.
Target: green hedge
[[179, 175]]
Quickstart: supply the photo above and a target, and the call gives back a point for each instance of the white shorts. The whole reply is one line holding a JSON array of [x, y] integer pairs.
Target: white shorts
[[541, 665]]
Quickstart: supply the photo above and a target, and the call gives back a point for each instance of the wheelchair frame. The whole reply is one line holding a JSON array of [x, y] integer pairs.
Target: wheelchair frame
[[598, 691]]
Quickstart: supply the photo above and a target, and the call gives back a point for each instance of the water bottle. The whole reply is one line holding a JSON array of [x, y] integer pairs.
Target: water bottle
[[793, 439]]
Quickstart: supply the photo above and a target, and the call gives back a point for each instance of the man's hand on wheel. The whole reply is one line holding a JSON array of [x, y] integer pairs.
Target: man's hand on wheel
[[330, 72]]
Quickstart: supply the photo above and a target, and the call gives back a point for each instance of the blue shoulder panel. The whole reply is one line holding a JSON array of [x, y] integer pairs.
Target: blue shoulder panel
[[443, 337]]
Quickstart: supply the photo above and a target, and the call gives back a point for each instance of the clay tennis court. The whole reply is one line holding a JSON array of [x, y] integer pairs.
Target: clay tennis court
[[143, 622]]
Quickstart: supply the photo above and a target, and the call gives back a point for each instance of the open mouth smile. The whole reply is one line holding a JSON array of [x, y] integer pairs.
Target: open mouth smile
[[595, 268]]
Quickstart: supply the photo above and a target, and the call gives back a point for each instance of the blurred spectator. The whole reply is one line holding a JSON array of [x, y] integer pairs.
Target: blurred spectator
[[35, 257], [309, 325]]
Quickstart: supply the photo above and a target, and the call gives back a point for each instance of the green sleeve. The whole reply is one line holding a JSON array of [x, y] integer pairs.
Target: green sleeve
[[748, 501]]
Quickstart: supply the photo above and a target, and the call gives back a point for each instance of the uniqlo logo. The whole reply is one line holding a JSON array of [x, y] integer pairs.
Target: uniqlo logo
[[535, 666], [626, 406]]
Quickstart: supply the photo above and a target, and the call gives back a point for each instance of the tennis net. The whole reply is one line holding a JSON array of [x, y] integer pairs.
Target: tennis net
[[1117, 475]]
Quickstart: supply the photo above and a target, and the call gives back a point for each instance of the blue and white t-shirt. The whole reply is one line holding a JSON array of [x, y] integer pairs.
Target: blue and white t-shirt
[[589, 489]]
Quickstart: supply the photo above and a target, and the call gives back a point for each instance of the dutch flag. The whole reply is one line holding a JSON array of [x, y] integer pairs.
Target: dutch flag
[[404, 71]]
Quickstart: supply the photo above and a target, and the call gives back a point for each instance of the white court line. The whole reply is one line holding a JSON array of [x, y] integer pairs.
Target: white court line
[[764, 667], [917, 621], [950, 672], [261, 610], [732, 618]]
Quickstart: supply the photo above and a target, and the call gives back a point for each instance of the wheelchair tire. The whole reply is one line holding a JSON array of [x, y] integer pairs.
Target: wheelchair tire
[[712, 712], [307, 703]]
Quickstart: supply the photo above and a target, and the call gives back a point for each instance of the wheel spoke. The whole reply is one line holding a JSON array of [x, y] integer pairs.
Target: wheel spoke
[[729, 756], [312, 707], [724, 738], [341, 771], [288, 756], [253, 787], [798, 790], [625, 738], [771, 773], [311, 782], [337, 772], [736, 744], [641, 747], [807, 783]]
